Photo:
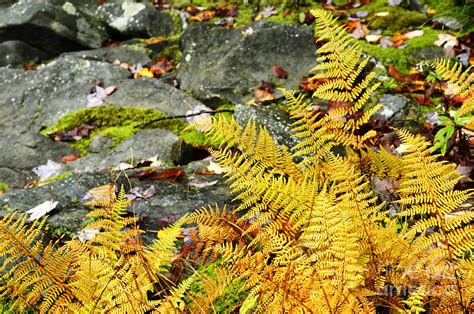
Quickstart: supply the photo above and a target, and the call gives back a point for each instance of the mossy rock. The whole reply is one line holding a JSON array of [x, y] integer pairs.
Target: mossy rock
[[398, 20]]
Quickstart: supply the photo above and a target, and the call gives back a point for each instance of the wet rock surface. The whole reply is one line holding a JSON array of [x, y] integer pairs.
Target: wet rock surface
[[172, 199], [231, 63], [130, 19], [52, 26]]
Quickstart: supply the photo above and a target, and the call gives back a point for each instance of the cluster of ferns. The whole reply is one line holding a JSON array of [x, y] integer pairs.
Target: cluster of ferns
[[309, 233]]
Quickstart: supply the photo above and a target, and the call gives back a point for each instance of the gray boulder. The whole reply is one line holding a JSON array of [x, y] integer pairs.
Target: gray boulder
[[395, 107], [123, 54], [277, 122], [231, 63], [130, 19], [51, 26], [171, 201], [14, 52], [151, 93], [33, 100], [143, 145]]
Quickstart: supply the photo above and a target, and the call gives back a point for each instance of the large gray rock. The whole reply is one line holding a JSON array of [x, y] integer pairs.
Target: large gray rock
[[151, 93], [231, 63], [395, 107], [277, 122], [14, 52], [171, 201], [143, 145], [32, 100], [123, 54], [130, 19], [52, 26]]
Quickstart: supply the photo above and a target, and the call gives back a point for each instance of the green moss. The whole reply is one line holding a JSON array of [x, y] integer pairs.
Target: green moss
[[398, 20], [4, 187], [177, 24], [141, 48], [58, 177], [404, 58], [234, 294], [119, 123], [173, 52]]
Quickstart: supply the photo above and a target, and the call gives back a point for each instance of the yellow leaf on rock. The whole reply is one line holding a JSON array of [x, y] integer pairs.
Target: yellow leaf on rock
[[144, 72]]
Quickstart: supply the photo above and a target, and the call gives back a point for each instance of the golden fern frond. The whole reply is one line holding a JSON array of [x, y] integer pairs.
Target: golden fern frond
[[110, 220], [443, 231], [35, 275], [161, 252], [212, 289], [459, 83], [383, 164], [175, 301], [254, 144], [341, 63]]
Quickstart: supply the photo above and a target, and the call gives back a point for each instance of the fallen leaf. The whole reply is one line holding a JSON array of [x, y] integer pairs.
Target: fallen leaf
[[87, 234], [262, 95], [398, 39], [49, 170], [139, 192], [269, 11], [247, 32], [432, 118], [202, 16], [415, 33], [41, 210], [279, 72], [362, 14], [385, 42], [163, 65], [216, 168], [103, 193], [69, 158], [382, 14], [358, 33], [394, 3], [352, 25], [152, 41], [308, 84], [143, 72], [169, 219], [75, 134], [372, 38], [97, 97], [171, 174], [201, 184]]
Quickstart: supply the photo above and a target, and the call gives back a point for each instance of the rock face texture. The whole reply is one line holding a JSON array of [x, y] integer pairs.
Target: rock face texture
[[33, 100], [129, 19], [52, 26], [231, 63]]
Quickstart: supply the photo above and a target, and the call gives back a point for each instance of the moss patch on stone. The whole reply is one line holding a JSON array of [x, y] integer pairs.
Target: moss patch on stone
[[57, 178], [119, 123]]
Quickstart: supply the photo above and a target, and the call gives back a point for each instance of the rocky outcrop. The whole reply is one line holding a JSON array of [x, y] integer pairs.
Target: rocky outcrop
[[170, 201], [231, 63], [15, 52], [129, 19], [52, 26], [33, 100]]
